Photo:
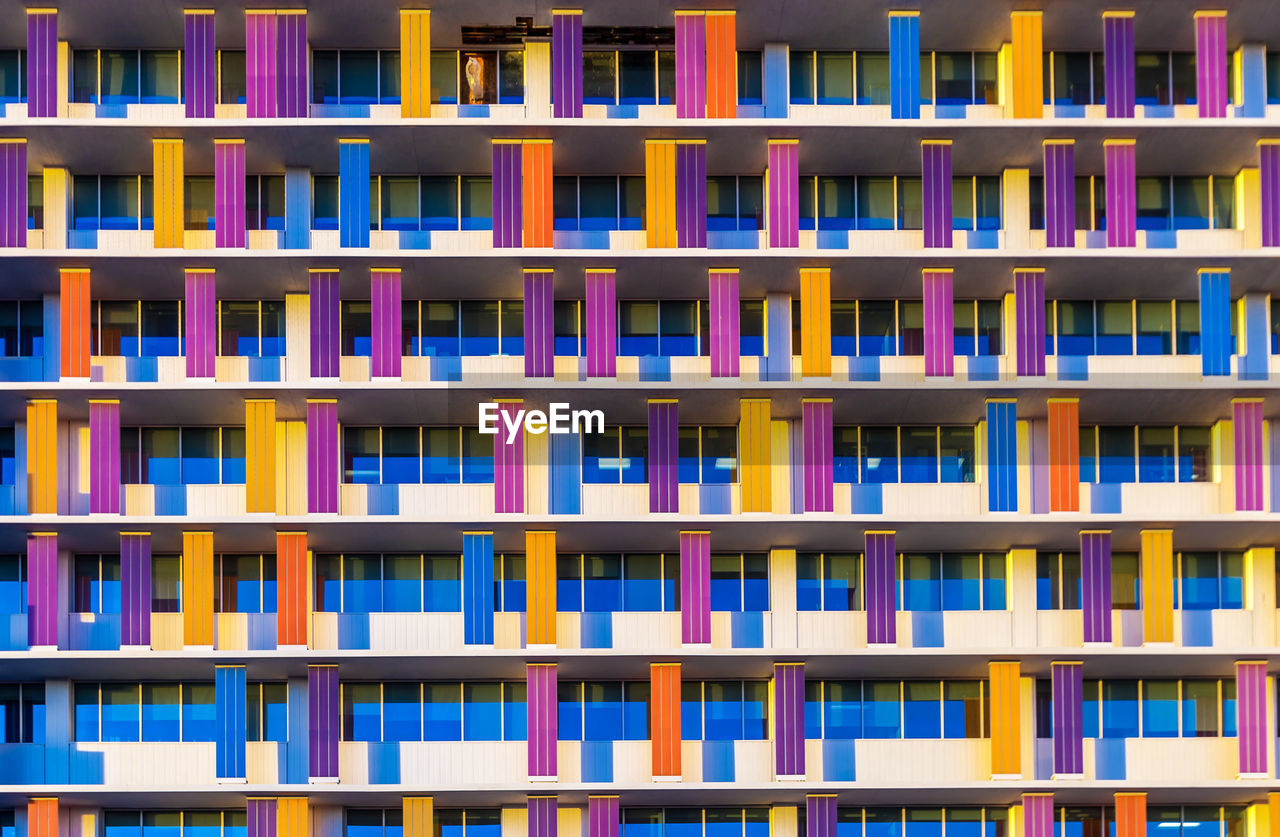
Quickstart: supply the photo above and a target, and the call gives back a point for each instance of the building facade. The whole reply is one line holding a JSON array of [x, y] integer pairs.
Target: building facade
[[936, 490]]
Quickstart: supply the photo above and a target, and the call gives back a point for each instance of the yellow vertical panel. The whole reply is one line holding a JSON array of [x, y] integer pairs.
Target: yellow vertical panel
[[540, 569], [260, 455], [282, 467], [1157, 585], [295, 501], [753, 447], [1027, 73], [64, 79], [1248, 194], [815, 321], [537, 473], [780, 466], [291, 817], [660, 193], [537, 79], [1223, 461], [1006, 732], [1004, 84], [197, 588], [418, 814], [42, 456], [54, 188], [82, 481], [415, 63], [297, 331], [1016, 188], [167, 192]]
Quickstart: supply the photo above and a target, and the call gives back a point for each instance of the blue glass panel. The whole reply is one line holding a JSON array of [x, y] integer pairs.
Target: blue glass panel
[[402, 712], [842, 711], [723, 707], [691, 711], [602, 715], [515, 713], [1160, 709], [199, 712], [442, 585], [808, 582], [1120, 709], [362, 584], [881, 710], [161, 712], [569, 713], [482, 712], [921, 711], [442, 713]]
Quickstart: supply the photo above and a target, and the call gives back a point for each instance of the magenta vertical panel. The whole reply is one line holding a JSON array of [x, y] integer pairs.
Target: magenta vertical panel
[[784, 194], [135, 588], [1095, 585], [788, 708], [1211, 64], [820, 815], [104, 457], [261, 816], [199, 65], [508, 199], [228, 193], [818, 463], [566, 65], [42, 590], [539, 324], [201, 313], [1122, 195], [695, 588], [1037, 814], [603, 816], [691, 65], [1247, 419], [508, 464], [722, 292], [325, 324], [1251, 709], [260, 64], [1269, 177], [387, 323], [322, 457], [602, 324], [543, 709], [291, 65], [1059, 194], [939, 323], [881, 587], [543, 811], [42, 63], [1067, 694], [691, 194], [1118, 66], [664, 436], [1028, 307], [322, 721], [935, 163], [13, 194]]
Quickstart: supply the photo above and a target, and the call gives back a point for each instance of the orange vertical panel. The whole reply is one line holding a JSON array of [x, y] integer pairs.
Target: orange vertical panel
[[535, 156], [42, 456], [1006, 733], [1064, 454], [815, 321], [722, 65], [42, 816], [197, 588], [664, 710], [540, 569], [74, 304], [1131, 815], [291, 588]]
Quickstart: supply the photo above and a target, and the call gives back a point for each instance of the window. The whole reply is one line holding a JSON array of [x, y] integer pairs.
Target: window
[[1075, 75], [124, 77], [750, 78], [828, 581], [723, 710], [267, 712], [355, 77], [13, 584], [1211, 580], [434, 711], [608, 711], [22, 329], [708, 455], [1160, 708], [144, 712], [13, 75], [174, 823], [1058, 584], [232, 82], [166, 583], [735, 203], [611, 583], [182, 456], [111, 202], [253, 328], [951, 581], [740, 582], [95, 586], [431, 455], [488, 77], [1164, 454], [244, 584], [392, 583], [616, 456], [977, 327], [873, 78], [850, 709], [926, 454], [658, 329], [22, 717]]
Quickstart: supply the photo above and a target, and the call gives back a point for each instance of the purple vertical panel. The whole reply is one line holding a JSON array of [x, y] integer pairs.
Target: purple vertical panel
[[1028, 305], [291, 66], [228, 193], [1068, 718], [1211, 63], [1118, 65], [261, 816], [788, 707], [602, 324], [543, 710], [1059, 194], [135, 588], [199, 65], [1122, 192], [322, 457], [602, 816], [939, 323], [691, 65], [1251, 709], [201, 314], [322, 721], [104, 457], [508, 464], [1037, 815], [260, 64], [539, 325], [508, 204], [1247, 419], [566, 65], [691, 194], [820, 815], [42, 63], [543, 812], [784, 194], [13, 193], [664, 435], [935, 162], [722, 292], [818, 464], [387, 322], [1095, 583], [42, 590], [1269, 185], [881, 587], [695, 588], [325, 324]]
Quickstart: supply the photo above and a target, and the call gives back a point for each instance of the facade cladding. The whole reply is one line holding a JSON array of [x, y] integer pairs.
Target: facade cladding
[[935, 491]]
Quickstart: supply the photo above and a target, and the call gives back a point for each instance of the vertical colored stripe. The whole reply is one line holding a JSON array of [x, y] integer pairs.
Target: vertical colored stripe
[[261, 813], [1027, 77], [536, 176], [1216, 340], [1002, 455], [353, 193], [566, 64], [691, 193], [602, 323], [508, 464], [477, 588], [939, 322], [540, 568], [1028, 299], [1269, 190], [722, 294], [135, 588], [539, 323], [42, 590], [603, 816], [722, 64], [42, 817], [325, 324], [293, 59], [935, 164], [297, 208], [1118, 64], [13, 193], [904, 65], [201, 315], [292, 601], [74, 329], [322, 721], [788, 707], [1131, 815], [1006, 733], [507, 193], [664, 701], [42, 63], [695, 588], [691, 65], [197, 588], [1251, 709], [1122, 191], [1247, 429], [756, 462], [167, 192], [816, 438], [815, 322], [881, 587], [784, 193], [543, 813], [199, 64], [1211, 63], [821, 815], [543, 710], [104, 457], [1095, 583], [228, 193], [1037, 815], [291, 816], [260, 63], [42, 456], [419, 816], [664, 434], [387, 319], [229, 721], [1060, 193], [1068, 718], [1157, 585], [260, 455], [415, 63], [1064, 454], [659, 192], [322, 456]]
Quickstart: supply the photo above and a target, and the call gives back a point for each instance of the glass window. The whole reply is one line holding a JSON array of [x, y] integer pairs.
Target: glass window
[[881, 709], [954, 78], [1151, 78], [599, 77], [636, 77], [873, 78], [957, 454], [801, 75], [119, 71], [910, 203], [120, 712], [879, 447], [1115, 454], [1074, 328], [1120, 709], [962, 581], [835, 78], [402, 584], [750, 78], [442, 712], [166, 583], [119, 197], [1072, 77], [362, 711], [1191, 203], [1125, 581], [1156, 454], [836, 203], [444, 77], [1155, 328], [477, 203], [919, 454], [1194, 450], [921, 582], [1160, 709], [478, 78], [1154, 209], [876, 203]]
